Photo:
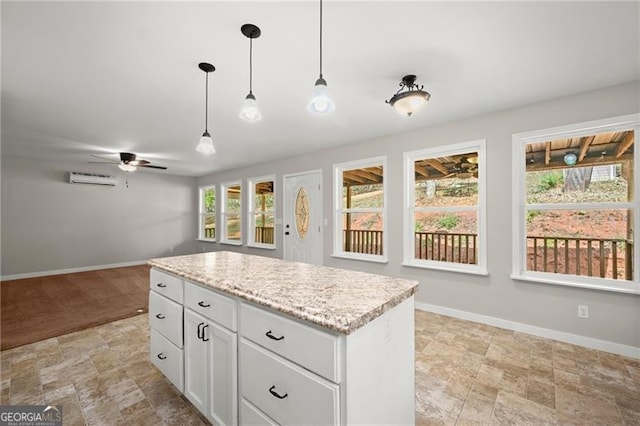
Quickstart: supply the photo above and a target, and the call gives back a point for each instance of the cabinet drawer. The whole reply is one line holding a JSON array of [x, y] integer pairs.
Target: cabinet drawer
[[165, 316], [212, 305], [168, 358], [313, 349], [251, 416], [285, 392], [166, 284]]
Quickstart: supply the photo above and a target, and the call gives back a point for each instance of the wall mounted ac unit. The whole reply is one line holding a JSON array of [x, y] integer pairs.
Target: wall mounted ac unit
[[92, 179]]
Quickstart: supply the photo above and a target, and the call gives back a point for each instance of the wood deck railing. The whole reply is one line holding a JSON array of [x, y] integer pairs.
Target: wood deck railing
[[264, 235], [592, 257], [362, 241], [209, 232], [447, 247]]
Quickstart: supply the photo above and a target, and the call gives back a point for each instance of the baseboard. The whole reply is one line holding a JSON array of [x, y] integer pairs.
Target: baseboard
[[588, 342], [70, 270]]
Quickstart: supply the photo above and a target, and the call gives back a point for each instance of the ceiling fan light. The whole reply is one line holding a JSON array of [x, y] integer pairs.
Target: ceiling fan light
[[205, 146], [321, 102], [409, 102], [250, 111], [570, 159], [127, 167]]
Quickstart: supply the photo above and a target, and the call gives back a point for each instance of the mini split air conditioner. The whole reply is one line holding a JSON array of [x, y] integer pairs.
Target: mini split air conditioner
[[92, 179]]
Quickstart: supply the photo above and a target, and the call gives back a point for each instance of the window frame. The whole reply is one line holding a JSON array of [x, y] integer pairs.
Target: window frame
[[519, 208], [202, 214], [223, 213], [410, 158], [338, 170], [251, 212]]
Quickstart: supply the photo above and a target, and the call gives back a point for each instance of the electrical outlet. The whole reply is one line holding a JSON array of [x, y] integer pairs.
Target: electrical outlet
[[583, 311]]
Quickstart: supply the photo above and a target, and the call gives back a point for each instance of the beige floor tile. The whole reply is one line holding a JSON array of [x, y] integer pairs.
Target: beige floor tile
[[515, 410]]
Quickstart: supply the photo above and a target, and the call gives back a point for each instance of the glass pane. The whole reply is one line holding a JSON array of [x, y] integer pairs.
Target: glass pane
[[264, 229], [447, 236], [264, 197], [593, 243], [447, 192], [234, 197], [209, 226], [302, 212], [363, 188], [362, 233], [597, 184], [233, 227], [209, 200]]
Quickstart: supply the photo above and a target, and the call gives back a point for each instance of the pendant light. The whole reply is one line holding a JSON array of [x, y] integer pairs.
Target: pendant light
[[410, 97], [250, 111], [321, 103], [205, 146]]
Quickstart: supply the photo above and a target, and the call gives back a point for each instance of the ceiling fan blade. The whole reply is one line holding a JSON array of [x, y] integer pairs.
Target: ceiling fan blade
[[105, 159], [102, 162], [152, 166], [138, 162]]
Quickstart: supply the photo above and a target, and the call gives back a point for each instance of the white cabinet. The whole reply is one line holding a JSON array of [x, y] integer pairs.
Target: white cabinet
[[165, 321], [211, 355]]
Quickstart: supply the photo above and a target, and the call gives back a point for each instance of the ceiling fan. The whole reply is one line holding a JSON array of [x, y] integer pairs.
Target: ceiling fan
[[464, 168], [128, 162]]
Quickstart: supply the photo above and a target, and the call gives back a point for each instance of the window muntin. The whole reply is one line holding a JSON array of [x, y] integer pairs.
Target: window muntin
[[575, 217], [207, 216], [262, 212], [360, 212], [444, 194], [231, 213]]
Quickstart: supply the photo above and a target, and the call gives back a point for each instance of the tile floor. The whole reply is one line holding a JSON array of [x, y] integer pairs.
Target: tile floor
[[466, 374]]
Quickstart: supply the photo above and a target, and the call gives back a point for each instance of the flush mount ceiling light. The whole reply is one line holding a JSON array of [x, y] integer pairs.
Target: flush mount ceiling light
[[321, 103], [250, 111], [570, 159], [205, 146], [409, 98]]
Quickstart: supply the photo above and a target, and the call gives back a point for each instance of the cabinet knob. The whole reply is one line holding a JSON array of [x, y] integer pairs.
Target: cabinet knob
[[161, 285], [271, 336], [160, 316], [276, 394], [204, 305], [162, 356]]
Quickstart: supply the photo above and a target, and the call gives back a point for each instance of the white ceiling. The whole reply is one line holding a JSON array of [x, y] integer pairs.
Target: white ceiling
[[81, 78]]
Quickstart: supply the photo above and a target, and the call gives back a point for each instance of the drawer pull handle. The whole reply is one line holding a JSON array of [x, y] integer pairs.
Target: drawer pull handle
[[161, 285], [162, 356], [203, 305], [271, 336], [160, 316], [276, 394]]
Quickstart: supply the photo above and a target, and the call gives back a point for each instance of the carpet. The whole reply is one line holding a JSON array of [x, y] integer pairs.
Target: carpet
[[34, 309]]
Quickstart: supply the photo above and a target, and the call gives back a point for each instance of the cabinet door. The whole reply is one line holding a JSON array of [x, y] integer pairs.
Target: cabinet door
[[195, 360], [223, 388]]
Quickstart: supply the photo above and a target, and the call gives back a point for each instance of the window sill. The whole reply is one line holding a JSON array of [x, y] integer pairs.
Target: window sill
[[206, 240], [629, 287], [232, 243], [375, 259], [263, 246], [448, 268]]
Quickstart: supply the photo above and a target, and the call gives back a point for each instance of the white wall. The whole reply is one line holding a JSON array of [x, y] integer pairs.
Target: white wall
[[614, 317], [50, 225]]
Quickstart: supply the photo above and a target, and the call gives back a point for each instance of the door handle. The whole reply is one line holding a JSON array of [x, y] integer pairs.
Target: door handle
[[203, 339], [200, 331], [160, 316]]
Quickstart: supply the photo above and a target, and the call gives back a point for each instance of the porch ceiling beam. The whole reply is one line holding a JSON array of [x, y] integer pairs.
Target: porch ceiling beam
[[588, 161], [422, 171], [625, 144], [584, 147], [367, 176], [438, 166]]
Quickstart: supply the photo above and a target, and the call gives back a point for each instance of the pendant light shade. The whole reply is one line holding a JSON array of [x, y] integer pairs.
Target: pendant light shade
[[409, 98], [321, 102], [250, 111], [205, 146]]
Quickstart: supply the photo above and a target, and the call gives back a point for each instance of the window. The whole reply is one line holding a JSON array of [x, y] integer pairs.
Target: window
[[445, 215], [207, 222], [231, 213], [575, 217], [360, 210], [261, 212]]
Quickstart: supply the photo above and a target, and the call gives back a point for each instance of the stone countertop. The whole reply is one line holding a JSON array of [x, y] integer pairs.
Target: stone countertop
[[332, 298]]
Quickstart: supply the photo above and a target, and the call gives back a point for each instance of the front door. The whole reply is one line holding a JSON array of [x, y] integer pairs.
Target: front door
[[302, 217]]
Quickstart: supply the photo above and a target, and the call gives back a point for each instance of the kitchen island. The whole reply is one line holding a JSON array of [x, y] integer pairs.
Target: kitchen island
[[257, 340]]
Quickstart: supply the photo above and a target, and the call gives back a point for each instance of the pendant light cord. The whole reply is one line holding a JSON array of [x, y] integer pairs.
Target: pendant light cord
[[320, 38], [250, 65]]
